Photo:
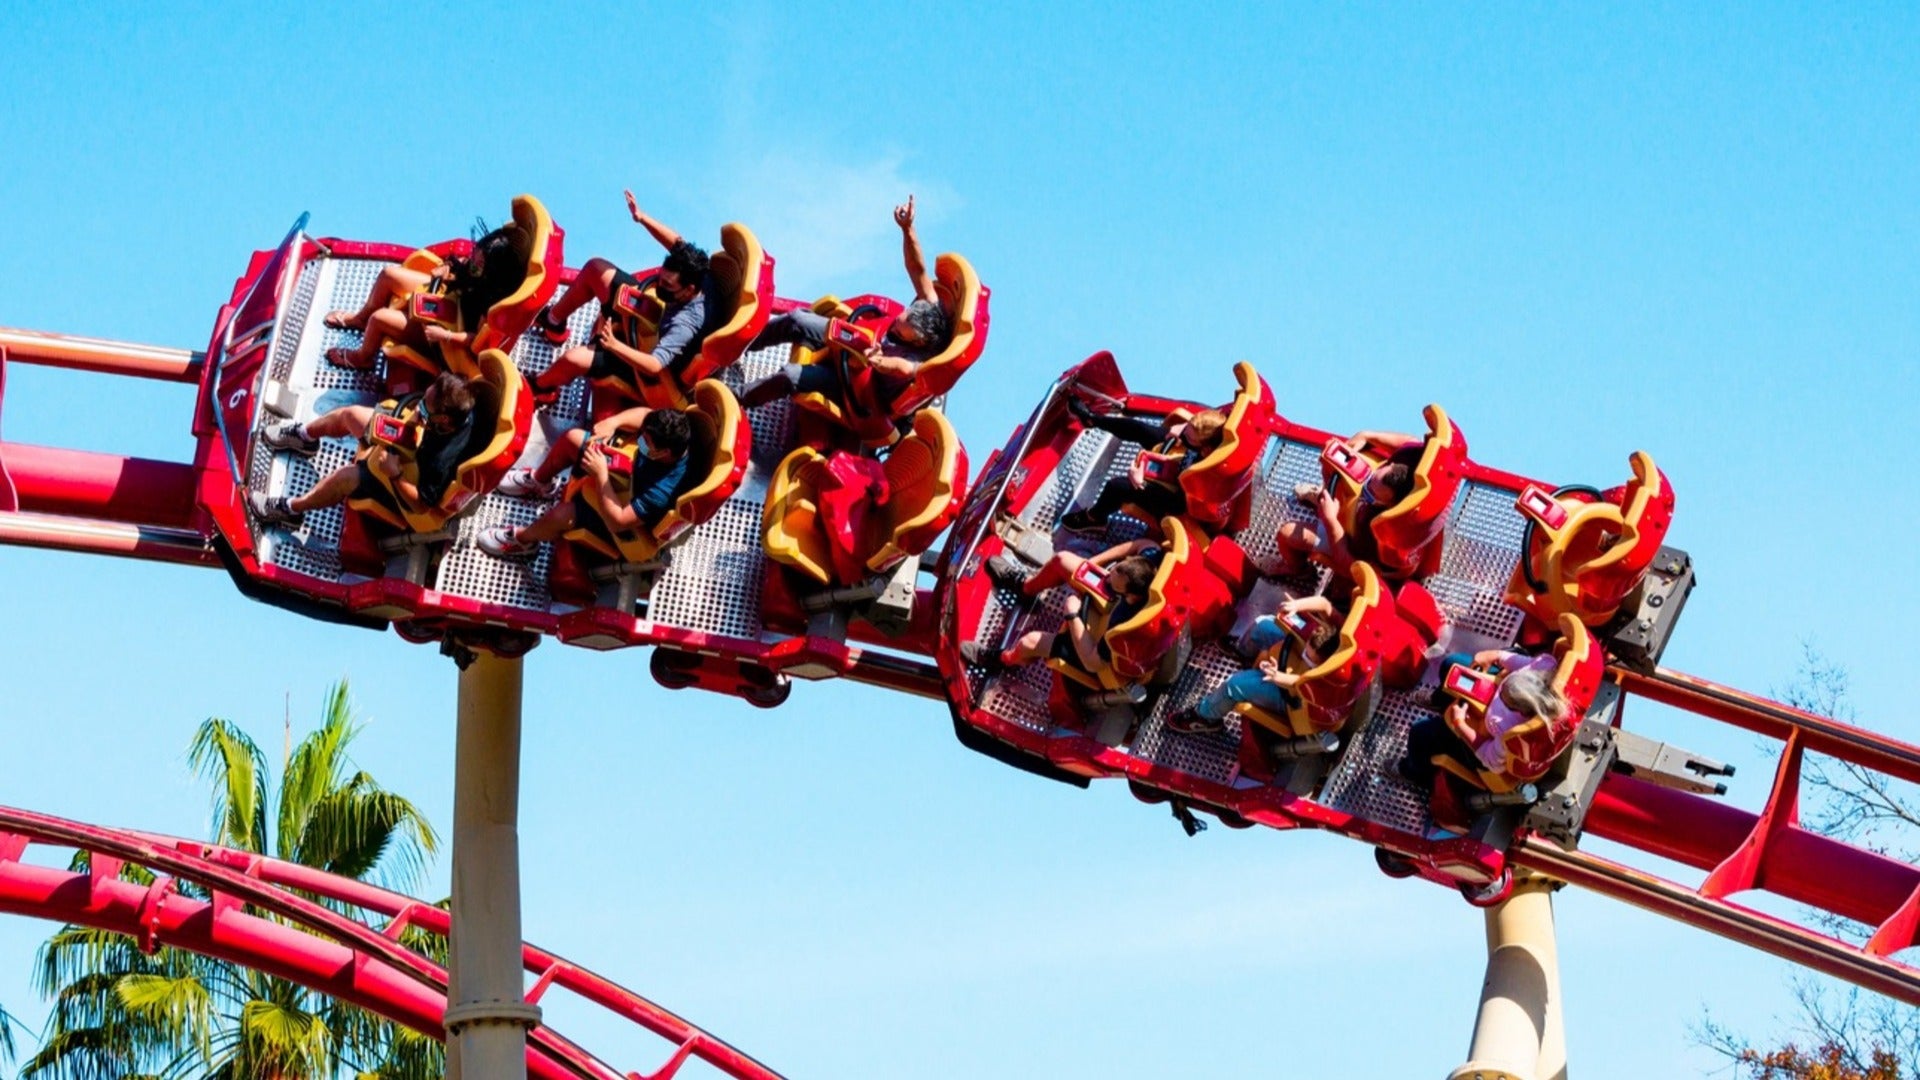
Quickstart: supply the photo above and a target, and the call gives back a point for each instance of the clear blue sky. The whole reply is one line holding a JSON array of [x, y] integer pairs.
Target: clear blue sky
[[1690, 229]]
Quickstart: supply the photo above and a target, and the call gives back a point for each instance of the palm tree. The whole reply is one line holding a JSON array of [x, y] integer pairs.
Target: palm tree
[[7, 1024], [120, 1014]]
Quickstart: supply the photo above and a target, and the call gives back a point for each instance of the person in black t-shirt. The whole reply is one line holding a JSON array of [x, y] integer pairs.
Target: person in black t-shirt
[[440, 431]]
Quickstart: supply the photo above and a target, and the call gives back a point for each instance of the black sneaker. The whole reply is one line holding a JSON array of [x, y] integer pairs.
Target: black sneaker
[[274, 510], [544, 325], [286, 435], [1083, 521], [1007, 571]]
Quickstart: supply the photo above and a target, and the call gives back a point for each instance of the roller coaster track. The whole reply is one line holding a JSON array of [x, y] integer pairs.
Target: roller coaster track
[[260, 914]]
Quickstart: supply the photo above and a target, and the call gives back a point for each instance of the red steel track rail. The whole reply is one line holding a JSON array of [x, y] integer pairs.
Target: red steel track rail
[[309, 943]]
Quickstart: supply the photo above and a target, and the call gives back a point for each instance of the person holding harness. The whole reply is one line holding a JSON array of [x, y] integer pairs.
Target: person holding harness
[[431, 429], [645, 327], [876, 357], [1153, 481], [442, 307], [658, 472]]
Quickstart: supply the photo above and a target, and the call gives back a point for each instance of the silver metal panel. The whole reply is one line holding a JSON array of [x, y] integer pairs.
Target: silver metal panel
[[773, 422], [294, 323], [713, 580], [1366, 782], [1283, 465], [313, 548], [1483, 540], [533, 354], [468, 571], [1213, 757], [1085, 466]]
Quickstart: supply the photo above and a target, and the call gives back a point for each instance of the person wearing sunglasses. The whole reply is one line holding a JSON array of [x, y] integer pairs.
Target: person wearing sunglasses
[[435, 429], [633, 339], [660, 470]]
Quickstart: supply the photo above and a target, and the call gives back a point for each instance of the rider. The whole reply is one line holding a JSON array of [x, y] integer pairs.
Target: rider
[[1525, 691], [442, 425], [1329, 542], [623, 346], [658, 475], [1179, 441], [1129, 572], [1268, 685], [917, 334], [475, 282]]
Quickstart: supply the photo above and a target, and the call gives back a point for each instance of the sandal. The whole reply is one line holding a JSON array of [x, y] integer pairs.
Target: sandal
[[342, 320], [1188, 721], [341, 356]]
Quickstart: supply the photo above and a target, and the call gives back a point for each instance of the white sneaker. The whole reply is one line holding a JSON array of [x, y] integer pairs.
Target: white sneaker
[[498, 541], [523, 482], [286, 436]]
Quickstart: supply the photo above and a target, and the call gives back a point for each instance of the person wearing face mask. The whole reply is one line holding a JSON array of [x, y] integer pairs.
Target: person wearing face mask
[[645, 328], [434, 430], [1328, 541], [920, 332], [659, 472]]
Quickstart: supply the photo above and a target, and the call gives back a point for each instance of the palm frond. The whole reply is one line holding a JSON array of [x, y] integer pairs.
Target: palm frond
[[316, 767], [353, 829], [283, 1041], [223, 754], [179, 1004]]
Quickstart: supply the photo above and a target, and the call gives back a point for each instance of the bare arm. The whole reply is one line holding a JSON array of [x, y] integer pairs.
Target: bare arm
[[915, 258], [1391, 440], [644, 362], [624, 420], [616, 512], [661, 232], [1121, 551]]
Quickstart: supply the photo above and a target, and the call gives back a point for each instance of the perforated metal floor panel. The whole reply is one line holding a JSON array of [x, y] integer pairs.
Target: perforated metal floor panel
[[1213, 757], [466, 570], [713, 580]]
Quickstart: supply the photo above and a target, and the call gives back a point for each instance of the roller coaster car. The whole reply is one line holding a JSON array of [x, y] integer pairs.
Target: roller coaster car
[[1532, 748], [718, 458], [502, 419], [743, 277], [846, 523], [538, 241], [1219, 487], [859, 409], [1407, 534], [1587, 551]]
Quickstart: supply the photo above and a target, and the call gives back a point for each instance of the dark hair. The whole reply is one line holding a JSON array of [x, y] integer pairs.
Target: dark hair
[[503, 270], [1133, 574], [1397, 478], [931, 320], [687, 261], [452, 393], [667, 429]]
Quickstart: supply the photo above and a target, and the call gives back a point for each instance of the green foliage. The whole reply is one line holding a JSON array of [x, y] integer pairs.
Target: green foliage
[[122, 1014]]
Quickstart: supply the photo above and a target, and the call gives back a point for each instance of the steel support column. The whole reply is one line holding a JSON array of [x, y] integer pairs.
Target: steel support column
[[1519, 1033], [487, 1012]]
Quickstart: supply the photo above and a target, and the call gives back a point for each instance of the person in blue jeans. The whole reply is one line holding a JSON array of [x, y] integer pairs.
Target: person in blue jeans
[[1268, 685]]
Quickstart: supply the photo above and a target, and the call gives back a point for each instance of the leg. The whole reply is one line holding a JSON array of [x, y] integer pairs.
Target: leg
[[790, 380], [1425, 739], [330, 491], [1058, 571], [348, 421], [593, 283], [387, 324], [1033, 645], [560, 455], [1124, 427], [395, 281], [1243, 687], [566, 367], [1296, 542], [803, 327]]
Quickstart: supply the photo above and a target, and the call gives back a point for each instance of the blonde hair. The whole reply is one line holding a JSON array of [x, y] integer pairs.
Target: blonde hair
[[1529, 692], [1208, 425]]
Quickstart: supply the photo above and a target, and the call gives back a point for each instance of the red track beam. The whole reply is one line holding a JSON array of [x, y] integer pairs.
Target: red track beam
[[148, 542], [99, 355], [100, 487], [1818, 734], [1801, 866], [1731, 921]]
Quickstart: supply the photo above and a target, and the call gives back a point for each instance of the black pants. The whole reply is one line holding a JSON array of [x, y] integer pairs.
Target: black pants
[[1156, 500], [1125, 427], [1427, 738]]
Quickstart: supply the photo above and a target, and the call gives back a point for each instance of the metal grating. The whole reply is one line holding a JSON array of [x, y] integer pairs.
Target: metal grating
[[293, 322], [1484, 533], [1070, 476], [313, 548], [773, 422], [713, 580], [1213, 757], [1366, 783], [468, 571], [533, 354], [1285, 464], [347, 282]]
